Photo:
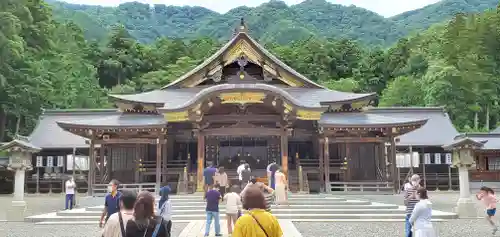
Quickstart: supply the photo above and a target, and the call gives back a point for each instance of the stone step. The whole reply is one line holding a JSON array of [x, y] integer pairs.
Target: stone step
[[291, 199], [53, 217], [67, 223], [201, 204], [82, 212], [302, 206]]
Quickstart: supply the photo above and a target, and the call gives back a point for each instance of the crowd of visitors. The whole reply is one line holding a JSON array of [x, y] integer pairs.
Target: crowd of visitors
[[247, 207]]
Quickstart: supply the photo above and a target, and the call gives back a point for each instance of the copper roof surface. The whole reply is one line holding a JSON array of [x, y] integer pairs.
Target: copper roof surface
[[360, 119], [47, 133], [438, 130], [117, 120], [303, 97]]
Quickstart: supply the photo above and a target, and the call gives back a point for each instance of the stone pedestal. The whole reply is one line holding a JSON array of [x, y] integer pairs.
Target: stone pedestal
[[466, 207], [15, 212]]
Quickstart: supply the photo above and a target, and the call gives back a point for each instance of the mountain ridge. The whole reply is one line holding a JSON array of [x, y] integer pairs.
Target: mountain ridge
[[273, 21]]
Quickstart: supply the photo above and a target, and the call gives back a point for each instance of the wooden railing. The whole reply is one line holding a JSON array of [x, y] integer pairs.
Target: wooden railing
[[99, 190], [361, 186]]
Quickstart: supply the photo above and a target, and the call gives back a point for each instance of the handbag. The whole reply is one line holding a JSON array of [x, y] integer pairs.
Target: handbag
[[258, 223]]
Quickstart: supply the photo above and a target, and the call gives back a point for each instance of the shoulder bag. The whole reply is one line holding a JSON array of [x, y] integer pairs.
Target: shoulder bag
[[122, 227], [258, 223]]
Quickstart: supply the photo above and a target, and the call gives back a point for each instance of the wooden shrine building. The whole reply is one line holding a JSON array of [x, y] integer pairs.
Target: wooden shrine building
[[242, 103]]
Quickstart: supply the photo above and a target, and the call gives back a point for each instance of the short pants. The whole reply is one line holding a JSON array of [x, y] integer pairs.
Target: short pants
[[491, 212]]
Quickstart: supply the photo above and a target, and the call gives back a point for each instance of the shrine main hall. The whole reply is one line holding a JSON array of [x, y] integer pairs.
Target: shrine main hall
[[241, 103]]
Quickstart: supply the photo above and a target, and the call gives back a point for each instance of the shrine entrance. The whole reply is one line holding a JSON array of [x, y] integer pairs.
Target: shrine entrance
[[257, 151]]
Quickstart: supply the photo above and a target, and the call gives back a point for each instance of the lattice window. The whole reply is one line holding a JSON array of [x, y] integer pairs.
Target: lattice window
[[493, 163]]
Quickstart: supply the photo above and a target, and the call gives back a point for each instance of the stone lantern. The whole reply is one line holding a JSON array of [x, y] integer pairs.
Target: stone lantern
[[463, 158], [20, 153]]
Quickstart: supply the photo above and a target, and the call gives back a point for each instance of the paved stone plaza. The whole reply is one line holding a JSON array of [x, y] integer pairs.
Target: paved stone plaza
[[442, 201]]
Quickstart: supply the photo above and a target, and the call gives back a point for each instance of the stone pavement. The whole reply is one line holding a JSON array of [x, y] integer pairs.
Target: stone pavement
[[197, 229], [318, 228]]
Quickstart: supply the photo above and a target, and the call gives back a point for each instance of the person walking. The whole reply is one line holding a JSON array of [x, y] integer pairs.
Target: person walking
[[111, 202], [165, 207], [421, 216], [246, 175], [70, 193], [281, 188], [410, 201], [213, 198], [233, 207], [271, 174], [256, 221], [145, 223], [221, 179], [115, 226], [266, 191], [208, 174], [239, 170]]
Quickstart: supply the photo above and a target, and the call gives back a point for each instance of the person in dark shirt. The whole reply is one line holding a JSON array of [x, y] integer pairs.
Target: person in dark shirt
[[213, 198], [208, 174], [111, 202], [145, 223]]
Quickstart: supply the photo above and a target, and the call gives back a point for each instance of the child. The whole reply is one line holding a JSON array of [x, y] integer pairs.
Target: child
[[487, 195], [233, 207]]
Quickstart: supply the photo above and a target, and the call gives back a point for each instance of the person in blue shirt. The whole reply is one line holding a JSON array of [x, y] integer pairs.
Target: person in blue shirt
[[208, 174], [213, 199], [111, 202]]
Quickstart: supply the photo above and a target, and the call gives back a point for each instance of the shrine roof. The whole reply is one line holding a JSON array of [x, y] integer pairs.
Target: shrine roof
[[172, 99], [491, 141], [438, 130], [20, 142], [360, 119], [47, 134], [124, 120], [242, 35]]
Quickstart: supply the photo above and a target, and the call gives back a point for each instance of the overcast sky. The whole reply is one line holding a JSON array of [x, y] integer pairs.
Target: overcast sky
[[383, 7]]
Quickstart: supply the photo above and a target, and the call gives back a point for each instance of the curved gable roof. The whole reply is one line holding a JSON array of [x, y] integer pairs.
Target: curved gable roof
[[242, 35]]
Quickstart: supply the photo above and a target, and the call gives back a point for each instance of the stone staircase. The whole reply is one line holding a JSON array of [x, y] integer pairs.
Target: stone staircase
[[303, 207]]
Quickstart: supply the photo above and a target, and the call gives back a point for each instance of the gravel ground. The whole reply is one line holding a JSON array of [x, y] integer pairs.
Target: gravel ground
[[21, 229], [453, 228]]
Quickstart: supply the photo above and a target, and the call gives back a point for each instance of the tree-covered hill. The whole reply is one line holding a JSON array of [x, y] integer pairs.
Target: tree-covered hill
[[270, 22], [49, 64]]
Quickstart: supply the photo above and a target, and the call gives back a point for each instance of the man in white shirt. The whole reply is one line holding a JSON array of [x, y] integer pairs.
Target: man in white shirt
[[70, 193], [117, 222], [240, 168]]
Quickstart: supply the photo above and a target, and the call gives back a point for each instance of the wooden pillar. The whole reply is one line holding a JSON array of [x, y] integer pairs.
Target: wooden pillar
[[138, 163], [159, 142], [326, 153], [90, 178], [200, 162], [284, 153], [321, 157], [346, 160], [165, 156], [394, 169], [101, 165], [109, 162]]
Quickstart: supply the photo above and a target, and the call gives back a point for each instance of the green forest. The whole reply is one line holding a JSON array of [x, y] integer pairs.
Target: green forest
[[49, 63], [272, 22]]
